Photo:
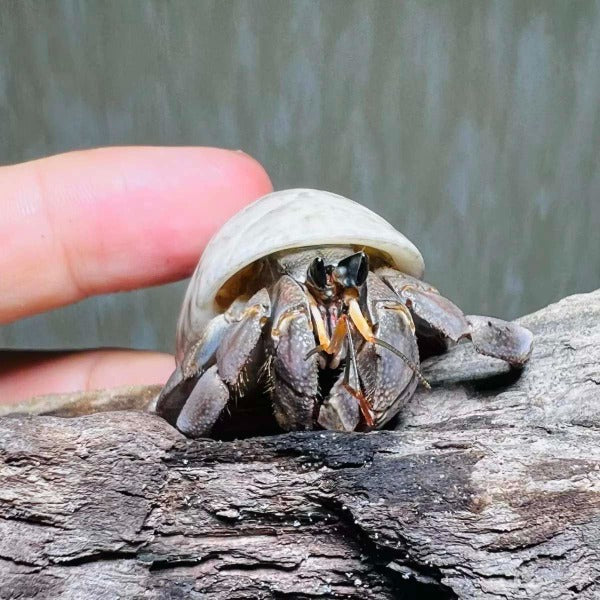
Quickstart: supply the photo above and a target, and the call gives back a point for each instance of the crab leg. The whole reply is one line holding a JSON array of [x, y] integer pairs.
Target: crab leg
[[204, 405], [427, 304], [490, 336], [500, 339], [238, 351], [196, 360], [294, 374], [176, 391]]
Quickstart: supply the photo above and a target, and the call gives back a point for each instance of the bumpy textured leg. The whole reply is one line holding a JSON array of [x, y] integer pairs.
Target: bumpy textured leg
[[340, 411], [425, 302], [384, 377], [178, 388], [204, 405], [501, 339], [239, 354], [173, 395], [490, 336], [237, 348], [294, 379], [202, 354]]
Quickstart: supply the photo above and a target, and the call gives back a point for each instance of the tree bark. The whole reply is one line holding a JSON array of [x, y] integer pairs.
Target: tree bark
[[488, 488]]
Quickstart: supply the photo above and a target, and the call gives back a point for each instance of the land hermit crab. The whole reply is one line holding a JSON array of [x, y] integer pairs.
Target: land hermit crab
[[319, 300]]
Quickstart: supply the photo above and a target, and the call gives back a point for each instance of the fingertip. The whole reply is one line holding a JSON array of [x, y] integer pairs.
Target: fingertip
[[249, 168], [112, 219], [153, 210]]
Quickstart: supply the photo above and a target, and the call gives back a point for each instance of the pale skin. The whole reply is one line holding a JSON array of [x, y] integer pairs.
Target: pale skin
[[99, 221]]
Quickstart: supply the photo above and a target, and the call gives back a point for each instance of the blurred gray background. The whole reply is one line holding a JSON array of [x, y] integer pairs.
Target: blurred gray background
[[474, 127]]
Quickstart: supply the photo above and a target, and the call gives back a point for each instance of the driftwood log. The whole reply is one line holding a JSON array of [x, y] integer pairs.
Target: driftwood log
[[488, 488]]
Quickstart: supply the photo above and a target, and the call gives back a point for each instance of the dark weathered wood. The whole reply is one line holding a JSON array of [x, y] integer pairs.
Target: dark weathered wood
[[489, 488], [137, 397]]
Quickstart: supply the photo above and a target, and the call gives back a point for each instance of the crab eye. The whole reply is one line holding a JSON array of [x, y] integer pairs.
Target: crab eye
[[317, 273], [352, 271]]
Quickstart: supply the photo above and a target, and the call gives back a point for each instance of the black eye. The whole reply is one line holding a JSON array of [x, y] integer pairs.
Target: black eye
[[317, 273], [353, 270]]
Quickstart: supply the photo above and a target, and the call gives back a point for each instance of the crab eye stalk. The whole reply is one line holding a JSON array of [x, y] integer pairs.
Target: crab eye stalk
[[352, 271], [317, 274]]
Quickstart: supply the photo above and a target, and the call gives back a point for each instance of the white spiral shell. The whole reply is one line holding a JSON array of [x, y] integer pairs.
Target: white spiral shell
[[284, 220]]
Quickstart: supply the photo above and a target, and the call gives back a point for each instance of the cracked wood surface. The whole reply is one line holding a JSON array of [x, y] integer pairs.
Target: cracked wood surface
[[488, 488]]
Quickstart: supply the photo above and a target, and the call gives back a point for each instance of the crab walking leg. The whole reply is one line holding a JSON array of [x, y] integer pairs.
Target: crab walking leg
[[490, 336], [426, 303], [185, 376], [204, 405], [294, 375], [238, 351], [500, 339], [174, 395]]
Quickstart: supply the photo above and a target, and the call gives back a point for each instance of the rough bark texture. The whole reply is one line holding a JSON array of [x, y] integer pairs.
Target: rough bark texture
[[489, 488]]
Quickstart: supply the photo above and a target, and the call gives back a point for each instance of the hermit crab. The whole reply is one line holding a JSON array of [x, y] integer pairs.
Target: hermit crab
[[319, 301]]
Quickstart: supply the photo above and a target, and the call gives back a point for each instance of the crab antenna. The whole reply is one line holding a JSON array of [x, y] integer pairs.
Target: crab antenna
[[405, 358]]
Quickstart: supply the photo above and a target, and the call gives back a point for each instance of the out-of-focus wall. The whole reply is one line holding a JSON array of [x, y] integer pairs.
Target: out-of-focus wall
[[474, 127]]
